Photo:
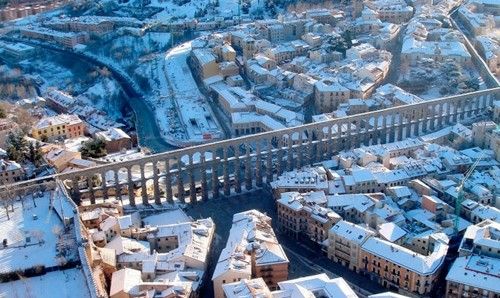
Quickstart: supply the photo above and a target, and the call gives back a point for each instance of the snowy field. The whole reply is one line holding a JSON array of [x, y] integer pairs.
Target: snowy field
[[58, 284], [226, 8], [38, 223]]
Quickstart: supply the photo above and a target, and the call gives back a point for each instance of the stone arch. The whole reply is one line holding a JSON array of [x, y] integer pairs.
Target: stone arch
[[315, 145], [268, 145], [216, 171], [135, 181], [203, 173], [177, 179], [121, 183], [249, 161], [279, 158], [110, 184]]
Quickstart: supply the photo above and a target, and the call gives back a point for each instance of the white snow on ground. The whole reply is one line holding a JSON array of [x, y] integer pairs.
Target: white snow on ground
[[58, 284], [22, 223], [227, 8], [195, 114], [167, 218]]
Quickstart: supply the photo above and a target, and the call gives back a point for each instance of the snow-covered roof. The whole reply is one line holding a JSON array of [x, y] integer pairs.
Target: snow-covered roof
[[352, 232], [9, 165], [125, 280], [247, 288], [112, 134], [448, 48], [486, 212], [330, 85], [485, 234], [310, 177], [204, 56], [251, 231], [404, 257], [61, 119], [360, 202], [316, 285], [477, 272], [390, 231]]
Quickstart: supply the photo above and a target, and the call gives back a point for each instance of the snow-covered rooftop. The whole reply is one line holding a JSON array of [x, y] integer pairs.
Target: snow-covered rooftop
[[404, 257], [251, 231], [476, 271]]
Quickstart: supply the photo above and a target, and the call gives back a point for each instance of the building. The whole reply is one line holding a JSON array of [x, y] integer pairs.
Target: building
[[10, 172], [482, 239], [303, 180], [65, 39], [63, 126], [166, 260], [310, 286], [64, 160], [128, 283], [344, 242], [204, 63], [474, 276], [353, 207], [16, 52], [116, 139], [252, 251], [304, 214], [328, 94], [395, 266], [415, 50], [490, 51]]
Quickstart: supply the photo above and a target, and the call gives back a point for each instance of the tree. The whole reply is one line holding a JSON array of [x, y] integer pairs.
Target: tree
[[17, 146], [34, 153], [94, 148], [347, 36], [3, 114]]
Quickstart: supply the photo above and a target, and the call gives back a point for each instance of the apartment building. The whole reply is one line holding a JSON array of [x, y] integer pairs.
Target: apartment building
[[415, 50], [63, 126], [474, 276], [16, 52], [482, 239], [115, 139], [304, 214], [252, 251], [328, 94], [304, 180], [353, 207], [344, 242], [10, 172], [204, 63], [309, 286], [395, 266], [490, 51], [65, 39]]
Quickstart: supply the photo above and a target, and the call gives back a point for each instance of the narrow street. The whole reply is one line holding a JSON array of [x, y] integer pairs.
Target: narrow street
[[395, 69]]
